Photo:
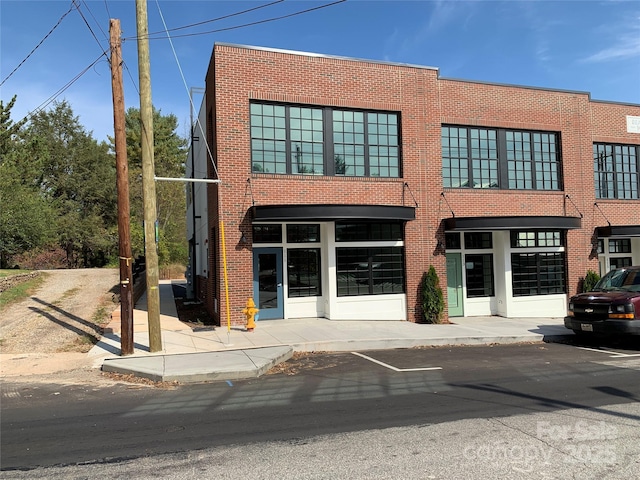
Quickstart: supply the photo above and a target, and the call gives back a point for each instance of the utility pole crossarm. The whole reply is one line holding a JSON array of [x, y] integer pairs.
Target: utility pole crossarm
[[196, 180]]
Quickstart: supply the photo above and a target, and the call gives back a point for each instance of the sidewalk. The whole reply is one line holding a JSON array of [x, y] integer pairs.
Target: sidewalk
[[208, 353]]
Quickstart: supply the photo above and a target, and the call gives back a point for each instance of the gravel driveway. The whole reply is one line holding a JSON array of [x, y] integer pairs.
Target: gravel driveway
[[51, 330]]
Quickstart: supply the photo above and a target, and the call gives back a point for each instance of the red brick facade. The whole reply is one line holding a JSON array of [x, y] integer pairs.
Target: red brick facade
[[425, 102]]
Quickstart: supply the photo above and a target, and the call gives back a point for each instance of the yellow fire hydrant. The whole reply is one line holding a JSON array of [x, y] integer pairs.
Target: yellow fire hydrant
[[250, 312]]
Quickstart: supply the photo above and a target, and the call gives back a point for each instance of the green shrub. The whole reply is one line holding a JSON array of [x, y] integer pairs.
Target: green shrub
[[589, 281], [432, 297]]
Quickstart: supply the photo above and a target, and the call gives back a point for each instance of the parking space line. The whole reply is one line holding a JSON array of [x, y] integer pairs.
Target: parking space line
[[611, 353], [395, 369]]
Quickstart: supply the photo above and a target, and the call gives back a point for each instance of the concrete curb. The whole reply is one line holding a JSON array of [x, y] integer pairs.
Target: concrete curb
[[201, 367]]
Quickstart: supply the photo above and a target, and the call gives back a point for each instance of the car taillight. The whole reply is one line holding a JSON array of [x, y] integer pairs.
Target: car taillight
[[626, 312]]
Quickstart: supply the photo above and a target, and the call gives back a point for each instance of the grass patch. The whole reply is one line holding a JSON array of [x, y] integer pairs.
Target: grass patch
[[68, 294], [19, 292], [102, 316], [7, 272], [81, 344]]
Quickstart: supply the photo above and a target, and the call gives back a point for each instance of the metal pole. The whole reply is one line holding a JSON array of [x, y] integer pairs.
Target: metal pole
[[226, 281], [193, 240], [122, 183], [148, 184]]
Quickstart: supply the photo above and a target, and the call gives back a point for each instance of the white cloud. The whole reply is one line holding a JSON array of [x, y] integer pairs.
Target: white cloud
[[439, 15], [625, 45]]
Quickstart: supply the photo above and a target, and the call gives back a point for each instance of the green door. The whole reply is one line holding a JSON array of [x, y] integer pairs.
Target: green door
[[454, 284]]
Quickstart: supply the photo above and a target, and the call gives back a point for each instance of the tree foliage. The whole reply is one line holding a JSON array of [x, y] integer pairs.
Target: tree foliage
[[432, 296], [170, 152], [25, 215], [77, 176], [58, 187]]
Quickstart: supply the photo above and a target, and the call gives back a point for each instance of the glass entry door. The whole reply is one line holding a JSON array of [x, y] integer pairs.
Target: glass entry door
[[267, 282], [454, 284]]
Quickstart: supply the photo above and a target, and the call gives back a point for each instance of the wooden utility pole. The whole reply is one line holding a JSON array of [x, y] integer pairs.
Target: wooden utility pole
[[148, 180], [122, 182]]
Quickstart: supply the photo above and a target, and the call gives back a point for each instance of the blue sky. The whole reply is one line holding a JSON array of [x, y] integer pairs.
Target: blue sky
[[582, 45]]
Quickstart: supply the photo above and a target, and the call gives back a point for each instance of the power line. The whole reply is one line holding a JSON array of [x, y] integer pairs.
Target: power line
[[87, 23], [104, 34], [217, 19], [215, 168], [106, 6], [38, 45], [267, 20], [44, 104]]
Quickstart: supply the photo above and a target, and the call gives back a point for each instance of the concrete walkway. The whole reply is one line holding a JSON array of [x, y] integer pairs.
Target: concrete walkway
[[220, 353]]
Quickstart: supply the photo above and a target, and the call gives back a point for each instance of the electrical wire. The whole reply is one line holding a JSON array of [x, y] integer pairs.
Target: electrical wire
[[184, 81], [87, 24], [38, 45], [218, 18], [106, 6], [104, 34], [46, 103], [258, 22], [133, 81]]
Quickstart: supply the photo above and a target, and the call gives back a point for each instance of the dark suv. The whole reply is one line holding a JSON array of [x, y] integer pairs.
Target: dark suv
[[612, 307]]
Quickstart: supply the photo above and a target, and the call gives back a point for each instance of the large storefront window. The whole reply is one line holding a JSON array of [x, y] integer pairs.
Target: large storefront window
[[370, 271], [304, 140], [538, 273]]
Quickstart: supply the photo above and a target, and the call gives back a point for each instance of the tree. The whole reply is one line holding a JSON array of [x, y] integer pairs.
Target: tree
[[170, 151], [432, 296], [76, 175], [25, 215]]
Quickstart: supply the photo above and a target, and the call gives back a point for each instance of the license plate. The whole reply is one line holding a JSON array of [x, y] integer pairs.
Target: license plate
[[586, 327]]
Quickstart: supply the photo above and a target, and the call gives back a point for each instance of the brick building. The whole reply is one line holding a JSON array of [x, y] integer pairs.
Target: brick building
[[343, 180]]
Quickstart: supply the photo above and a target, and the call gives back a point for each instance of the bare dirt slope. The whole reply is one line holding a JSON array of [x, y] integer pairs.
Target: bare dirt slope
[[51, 330]]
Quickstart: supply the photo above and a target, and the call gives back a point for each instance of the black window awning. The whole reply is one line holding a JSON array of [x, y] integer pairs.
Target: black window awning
[[331, 212], [619, 231], [511, 223]]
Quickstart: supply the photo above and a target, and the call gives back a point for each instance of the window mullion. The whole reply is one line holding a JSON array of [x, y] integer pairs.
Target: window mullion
[[503, 165], [288, 150], [367, 170], [637, 170], [370, 260], [532, 159], [329, 149], [538, 270], [469, 158], [616, 173]]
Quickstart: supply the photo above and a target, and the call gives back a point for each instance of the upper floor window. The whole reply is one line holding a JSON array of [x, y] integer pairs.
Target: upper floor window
[[303, 140], [498, 158], [616, 170]]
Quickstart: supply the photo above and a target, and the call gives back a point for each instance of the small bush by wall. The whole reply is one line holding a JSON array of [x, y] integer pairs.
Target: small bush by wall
[[432, 297]]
